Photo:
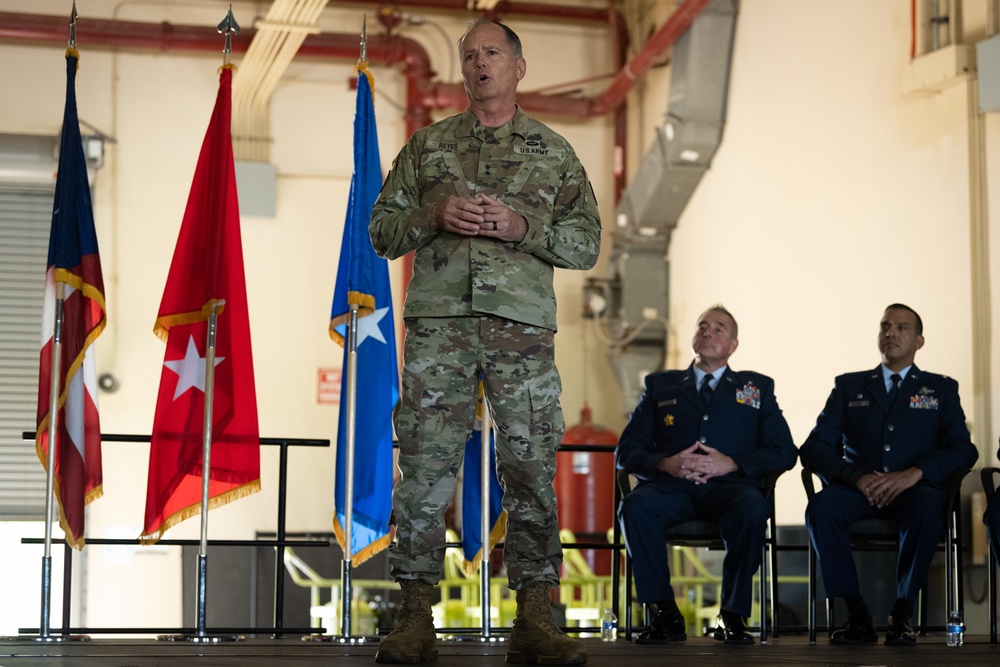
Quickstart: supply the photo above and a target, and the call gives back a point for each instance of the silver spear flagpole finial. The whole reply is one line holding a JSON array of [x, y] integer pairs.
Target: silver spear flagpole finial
[[72, 27], [364, 38], [229, 27]]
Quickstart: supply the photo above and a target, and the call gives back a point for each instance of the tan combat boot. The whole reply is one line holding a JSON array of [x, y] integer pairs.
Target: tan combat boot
[[413, 639], [535, 638]]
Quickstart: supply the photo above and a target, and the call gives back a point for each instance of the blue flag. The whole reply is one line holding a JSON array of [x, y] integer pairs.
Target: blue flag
[[472, 532], [363, 280]]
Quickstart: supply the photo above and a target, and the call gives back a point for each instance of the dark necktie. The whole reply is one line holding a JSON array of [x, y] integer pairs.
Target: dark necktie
[[706, 390], [894, 389]]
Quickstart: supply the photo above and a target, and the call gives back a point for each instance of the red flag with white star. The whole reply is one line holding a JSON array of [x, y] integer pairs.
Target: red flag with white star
[[207, 270]]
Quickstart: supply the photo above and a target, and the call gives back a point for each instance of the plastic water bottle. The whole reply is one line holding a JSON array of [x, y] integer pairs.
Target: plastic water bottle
[[955, 629], [609, 626]]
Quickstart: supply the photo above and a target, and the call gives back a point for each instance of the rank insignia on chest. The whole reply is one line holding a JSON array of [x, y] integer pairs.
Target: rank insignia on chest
[[669, 420], [923, 402], [749, 395]]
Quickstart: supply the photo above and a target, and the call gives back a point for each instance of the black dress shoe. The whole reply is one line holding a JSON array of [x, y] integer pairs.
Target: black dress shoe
[[667, 627], [857, 630], [731, 629], [900, 631]]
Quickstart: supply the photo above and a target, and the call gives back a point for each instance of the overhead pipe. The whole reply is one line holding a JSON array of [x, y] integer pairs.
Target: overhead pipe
[[453, 95], [619, 50], [662, 39], [502, 8], [422, 94]]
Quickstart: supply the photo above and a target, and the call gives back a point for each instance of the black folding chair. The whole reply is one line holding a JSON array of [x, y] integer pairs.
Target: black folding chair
[[883, 535], [706, 534]]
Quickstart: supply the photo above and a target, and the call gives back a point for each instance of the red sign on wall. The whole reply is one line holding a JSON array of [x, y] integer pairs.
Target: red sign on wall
[[328, 386]]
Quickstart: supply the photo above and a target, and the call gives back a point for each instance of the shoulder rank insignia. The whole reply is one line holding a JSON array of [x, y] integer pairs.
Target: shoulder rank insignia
[[749, 395]]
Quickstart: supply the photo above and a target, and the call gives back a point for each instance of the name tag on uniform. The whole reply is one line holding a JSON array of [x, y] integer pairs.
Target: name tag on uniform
[[669, 401], [531, 150], [858, 404]]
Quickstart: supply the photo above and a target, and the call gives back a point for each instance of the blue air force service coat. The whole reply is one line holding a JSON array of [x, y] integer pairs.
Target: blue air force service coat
[[742, 420], [859, 432]]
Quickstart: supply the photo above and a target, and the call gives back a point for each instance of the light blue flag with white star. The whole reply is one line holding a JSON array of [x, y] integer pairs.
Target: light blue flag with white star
[[363, 279]]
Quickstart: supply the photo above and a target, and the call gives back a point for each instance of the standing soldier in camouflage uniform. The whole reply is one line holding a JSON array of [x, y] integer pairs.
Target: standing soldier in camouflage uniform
[[491, 201]]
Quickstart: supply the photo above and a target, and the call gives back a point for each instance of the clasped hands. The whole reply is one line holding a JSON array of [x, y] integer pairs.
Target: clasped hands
[[698, 463], [881, 488], [480, 216]]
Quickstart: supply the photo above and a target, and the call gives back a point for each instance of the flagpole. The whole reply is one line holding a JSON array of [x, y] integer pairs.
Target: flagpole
[[54, 388], [484, 515], [350, 437], [352, 392], [206, 463], [228, 27], [55, 375], [56, 369], [352, 388], [201, 634]]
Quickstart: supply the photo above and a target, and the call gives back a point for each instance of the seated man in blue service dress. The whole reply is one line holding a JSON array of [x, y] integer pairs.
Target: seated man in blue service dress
[[884, 445], [700, 443]]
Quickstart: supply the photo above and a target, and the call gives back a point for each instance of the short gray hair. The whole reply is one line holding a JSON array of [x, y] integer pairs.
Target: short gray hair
[[513, 41]]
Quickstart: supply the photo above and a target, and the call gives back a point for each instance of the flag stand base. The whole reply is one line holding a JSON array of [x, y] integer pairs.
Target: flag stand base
[[55, 639], [201, 639], [343, 641]]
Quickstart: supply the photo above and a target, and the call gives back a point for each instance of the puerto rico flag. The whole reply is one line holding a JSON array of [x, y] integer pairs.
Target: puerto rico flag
[[73, 277]]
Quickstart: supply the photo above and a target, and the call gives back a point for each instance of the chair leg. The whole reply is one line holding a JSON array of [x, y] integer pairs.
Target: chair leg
[[959, 564], [922, 604], [991, 582], [773, 582], [763, 594], [951, 563], [628, 597], [811, 605]]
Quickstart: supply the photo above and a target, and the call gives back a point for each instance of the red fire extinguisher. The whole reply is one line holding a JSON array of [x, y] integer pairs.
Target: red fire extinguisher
[[585, 487]]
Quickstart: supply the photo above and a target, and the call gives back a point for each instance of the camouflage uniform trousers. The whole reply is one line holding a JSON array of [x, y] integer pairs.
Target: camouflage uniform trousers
[[443, 357]]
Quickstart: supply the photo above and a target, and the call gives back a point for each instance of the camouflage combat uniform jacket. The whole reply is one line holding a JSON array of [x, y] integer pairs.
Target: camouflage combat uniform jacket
[[523, 164]]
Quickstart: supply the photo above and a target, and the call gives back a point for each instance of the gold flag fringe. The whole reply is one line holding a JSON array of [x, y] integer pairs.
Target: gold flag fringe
[[362, 68], [191, 510], [366, 306], [164, 322], [381, 544], [499, 530]]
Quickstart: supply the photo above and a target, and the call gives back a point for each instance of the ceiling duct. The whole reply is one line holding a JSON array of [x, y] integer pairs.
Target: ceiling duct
[[688, 140], [637, 297]]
